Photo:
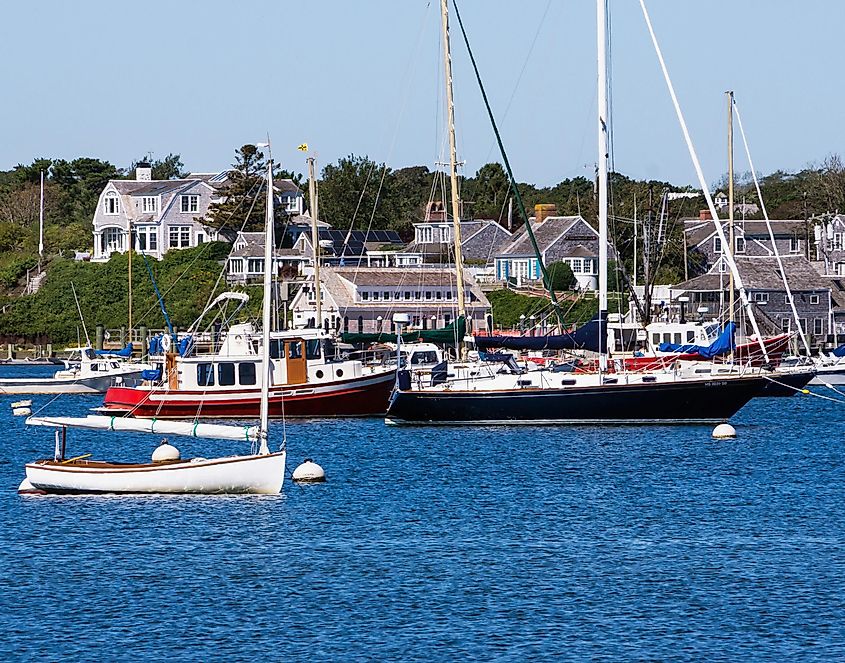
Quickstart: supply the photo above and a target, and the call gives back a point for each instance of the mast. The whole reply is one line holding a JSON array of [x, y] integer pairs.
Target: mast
[[315, 240], [730, 95], [131, 246], [453, 175], [601, 20], [269, 240], [41, 224]]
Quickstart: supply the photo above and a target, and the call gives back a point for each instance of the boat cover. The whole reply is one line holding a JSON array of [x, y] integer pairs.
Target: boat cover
[[839, 352], [724, 344], [586, 337], [124, 352], [446, 335]]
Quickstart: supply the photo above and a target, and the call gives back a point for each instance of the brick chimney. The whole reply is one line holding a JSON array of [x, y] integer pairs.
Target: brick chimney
[[704, 215], [543, 211]]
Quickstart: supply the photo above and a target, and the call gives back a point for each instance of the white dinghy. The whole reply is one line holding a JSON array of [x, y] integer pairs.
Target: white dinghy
[[262, 472]]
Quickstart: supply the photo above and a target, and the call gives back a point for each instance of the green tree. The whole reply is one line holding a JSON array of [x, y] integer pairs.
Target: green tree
[[168, 168], [356, 190], [561, 277]]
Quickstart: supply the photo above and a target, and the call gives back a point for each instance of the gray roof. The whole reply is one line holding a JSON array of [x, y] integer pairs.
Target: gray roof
[[545, 232], [761, 273], [698, 230]]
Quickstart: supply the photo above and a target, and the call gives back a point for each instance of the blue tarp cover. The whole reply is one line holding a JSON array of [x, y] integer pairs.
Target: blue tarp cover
[[722, 345], [839, 352], [586, 337], [125, 352]]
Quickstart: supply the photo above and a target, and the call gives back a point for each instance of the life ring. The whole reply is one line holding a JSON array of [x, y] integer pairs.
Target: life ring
[[166, 342]]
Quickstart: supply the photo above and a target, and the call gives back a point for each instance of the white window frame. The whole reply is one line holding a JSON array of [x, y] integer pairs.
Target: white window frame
[[717, 245], [740, 244], [149, 204], [149, 236], [814, 299], [236, 265], [111, 204], [189, 203], [761, 298], [256, 266], [182, 234], [837, 241], [818, 326], [794, 245]]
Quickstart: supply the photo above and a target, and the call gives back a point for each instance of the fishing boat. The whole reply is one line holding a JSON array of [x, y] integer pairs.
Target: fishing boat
[[259, 472], [93, 374], [467, 393]]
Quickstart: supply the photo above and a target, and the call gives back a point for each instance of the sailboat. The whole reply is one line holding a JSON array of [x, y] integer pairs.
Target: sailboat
[[506, 393], [261, 472]]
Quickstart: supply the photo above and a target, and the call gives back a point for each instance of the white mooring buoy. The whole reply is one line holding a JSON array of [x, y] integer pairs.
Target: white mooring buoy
[[22, 411], [724, 432], [164, 452], [23, 403], [309, 472]]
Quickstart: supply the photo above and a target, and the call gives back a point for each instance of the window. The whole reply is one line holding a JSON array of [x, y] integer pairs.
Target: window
[[200, 238], [785, 325], [840, 269], [438, 295], [723, 267], [425, 235], [717, 245], [655, 339], [149, 204], [448, 295], [418, 295], [255, 266], [576, 265], [761, 297], [277, 350], [817, 326], [290, 203], [407, 295], [386, 295], [376, 295], [190, 204], [428, 293], [205, 375], [246, 373], [740, 244], [803, 322], [110, 204], [112, 239], [837, 241], [146, 238], [179, 237], [236, 265], [794, 245], [365, 296], [814, 299], [295, 350], [397, 295], [312, 349], [226, 374]]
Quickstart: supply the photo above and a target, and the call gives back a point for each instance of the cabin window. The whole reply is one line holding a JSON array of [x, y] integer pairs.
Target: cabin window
[[205, 375], [814, 299], [690, 336], [427, 357], [277, 349], [655, 338], [95, 367], [226, 374], [295, 350], [677, 338], [246, 373], [312, 349], [190, 204]]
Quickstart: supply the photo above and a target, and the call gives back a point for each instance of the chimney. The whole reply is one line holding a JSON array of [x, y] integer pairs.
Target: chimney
[[543, 211], [704, 215], [143, 172]]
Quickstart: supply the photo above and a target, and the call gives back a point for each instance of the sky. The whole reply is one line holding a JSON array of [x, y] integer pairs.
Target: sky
[[118, 80]]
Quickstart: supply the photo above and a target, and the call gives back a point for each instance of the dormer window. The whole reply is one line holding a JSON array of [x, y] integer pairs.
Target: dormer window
[[740, 244], [110, 204], [190, 204], [149, 204]]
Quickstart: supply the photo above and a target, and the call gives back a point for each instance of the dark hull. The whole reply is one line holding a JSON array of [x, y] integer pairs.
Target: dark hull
[[668, 403], [787, 384]]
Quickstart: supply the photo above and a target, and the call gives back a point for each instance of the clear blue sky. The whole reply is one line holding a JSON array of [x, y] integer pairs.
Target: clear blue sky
[[116, 80]]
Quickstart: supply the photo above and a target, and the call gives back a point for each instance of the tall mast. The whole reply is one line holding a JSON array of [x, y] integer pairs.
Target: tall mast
[[41, 224], [731, 241], [453, 174], [269, 241], [131, 246], [315, 240], [601, 20]]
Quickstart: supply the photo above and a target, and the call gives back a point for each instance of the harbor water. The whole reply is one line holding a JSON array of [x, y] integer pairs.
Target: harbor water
[[525, 543]]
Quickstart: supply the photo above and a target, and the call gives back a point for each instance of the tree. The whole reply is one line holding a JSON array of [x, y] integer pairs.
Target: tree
[[168, 168], [489, 191], [560, 276], [81, 182], [243, 204], [357, 190]]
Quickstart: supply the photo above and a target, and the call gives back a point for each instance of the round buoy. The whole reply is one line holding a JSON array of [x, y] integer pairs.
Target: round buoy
[[22, 412], [26, 488], [164, 452], [309, 472], [724, 432]]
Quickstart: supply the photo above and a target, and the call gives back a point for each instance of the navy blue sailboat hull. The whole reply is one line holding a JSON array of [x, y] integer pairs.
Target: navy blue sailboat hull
[[666, 403]]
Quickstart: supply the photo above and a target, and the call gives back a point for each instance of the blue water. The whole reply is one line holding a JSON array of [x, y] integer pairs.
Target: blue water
[[604, 544]]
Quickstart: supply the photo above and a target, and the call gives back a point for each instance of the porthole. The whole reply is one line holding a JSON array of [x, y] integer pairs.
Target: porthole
[[319, 374], [339, 373]]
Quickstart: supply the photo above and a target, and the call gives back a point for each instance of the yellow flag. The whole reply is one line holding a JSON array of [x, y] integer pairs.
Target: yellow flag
[[303, 147]]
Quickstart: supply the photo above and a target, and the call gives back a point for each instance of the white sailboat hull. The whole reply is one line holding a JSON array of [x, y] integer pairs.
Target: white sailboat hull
[[98, 384], [256, 474], [829, 375]]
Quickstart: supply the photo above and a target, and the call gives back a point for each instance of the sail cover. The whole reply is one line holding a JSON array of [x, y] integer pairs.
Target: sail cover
[[586, 337], [124, 352], [155, 426], [839, 352], [446, 334], [722, 345]]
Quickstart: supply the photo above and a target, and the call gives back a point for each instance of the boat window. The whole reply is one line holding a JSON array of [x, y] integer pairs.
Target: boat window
[[95, 367], [329, 349], [226, 374], [114, 364], [205, 375], [246, 373], [429, 357], [656, 338], [312, 349], [295, 349], [690, 336], [276, 351], [677, 338]]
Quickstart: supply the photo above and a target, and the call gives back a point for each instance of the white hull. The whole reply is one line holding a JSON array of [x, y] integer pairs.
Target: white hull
[[236, 474], [89, 385], [829, 375]]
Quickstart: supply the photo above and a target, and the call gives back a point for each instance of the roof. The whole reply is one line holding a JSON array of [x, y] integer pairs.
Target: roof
[[354, 243], [545, 232], [286, 186], [761, 273], [395, 276], [697, 230]]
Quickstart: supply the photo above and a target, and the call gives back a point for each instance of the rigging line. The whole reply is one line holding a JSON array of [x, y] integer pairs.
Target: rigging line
[[769, 228], [514, 186]]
